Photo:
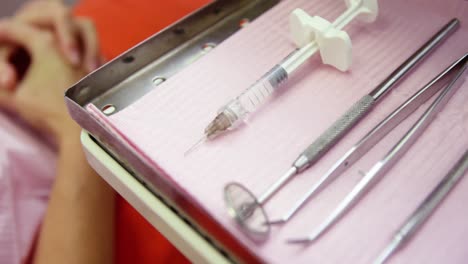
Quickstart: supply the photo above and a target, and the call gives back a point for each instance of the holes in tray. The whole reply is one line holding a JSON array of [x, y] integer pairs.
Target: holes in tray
[[158, 80], [244, 22], [217, 10], [207, 47], [128, 59], [108, 109], [179, 31], [84, 91]]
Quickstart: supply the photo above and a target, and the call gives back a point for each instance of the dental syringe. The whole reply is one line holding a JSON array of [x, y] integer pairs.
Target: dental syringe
[[236, 111]]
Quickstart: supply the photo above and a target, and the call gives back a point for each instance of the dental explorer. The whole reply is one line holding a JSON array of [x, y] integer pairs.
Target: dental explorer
[[425, 209], [454, 75], [357, 112], [230, 115], [248, 211]]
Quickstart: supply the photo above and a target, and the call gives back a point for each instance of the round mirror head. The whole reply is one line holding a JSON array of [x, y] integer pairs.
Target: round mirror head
[[245, 209]]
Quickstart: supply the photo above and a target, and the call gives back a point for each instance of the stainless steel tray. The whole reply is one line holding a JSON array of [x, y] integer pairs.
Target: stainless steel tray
[[130, 76]]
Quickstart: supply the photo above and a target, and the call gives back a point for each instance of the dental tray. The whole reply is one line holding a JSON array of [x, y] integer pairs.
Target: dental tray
[[124, 101]]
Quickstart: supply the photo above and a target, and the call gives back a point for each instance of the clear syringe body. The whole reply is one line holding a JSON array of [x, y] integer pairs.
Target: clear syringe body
[[237, 110], [257, 94]]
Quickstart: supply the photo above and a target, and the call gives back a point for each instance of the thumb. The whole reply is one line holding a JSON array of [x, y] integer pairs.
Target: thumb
[[18, 34]]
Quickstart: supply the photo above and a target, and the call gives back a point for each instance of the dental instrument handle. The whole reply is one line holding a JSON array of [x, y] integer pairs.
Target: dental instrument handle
[[397, 75], [321, 145], [424, 210], [334, 133], [434, 198]]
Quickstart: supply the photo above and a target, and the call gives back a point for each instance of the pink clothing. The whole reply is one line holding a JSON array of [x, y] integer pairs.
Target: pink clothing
[[27, 168]]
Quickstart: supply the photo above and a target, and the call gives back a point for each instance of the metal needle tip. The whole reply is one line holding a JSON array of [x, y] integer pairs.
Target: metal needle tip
[[194, 146]]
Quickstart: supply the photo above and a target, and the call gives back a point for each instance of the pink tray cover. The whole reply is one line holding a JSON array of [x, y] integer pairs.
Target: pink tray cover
[[169, 119]]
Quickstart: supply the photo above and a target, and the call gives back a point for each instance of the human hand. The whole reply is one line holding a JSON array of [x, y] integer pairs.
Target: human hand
[[38, 98], [76, 37]]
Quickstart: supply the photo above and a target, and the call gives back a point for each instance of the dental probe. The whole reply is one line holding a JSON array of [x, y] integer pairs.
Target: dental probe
[[424, 210], [365, 105], [451, 78], [230, 115]]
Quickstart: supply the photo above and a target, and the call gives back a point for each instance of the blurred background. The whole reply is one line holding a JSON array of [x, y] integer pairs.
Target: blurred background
[[7, 7]]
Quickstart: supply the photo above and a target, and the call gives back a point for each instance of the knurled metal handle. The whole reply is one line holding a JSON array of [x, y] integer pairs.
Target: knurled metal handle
[[337, 130]]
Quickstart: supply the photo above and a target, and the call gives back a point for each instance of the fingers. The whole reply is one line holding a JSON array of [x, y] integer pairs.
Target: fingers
[[66, 32], [75, 36], [19, 34], [54, 15], [8, 76], [87, 33]]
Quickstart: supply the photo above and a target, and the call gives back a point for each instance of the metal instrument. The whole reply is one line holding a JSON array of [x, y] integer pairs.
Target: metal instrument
[[451, 78], [425, 209], [244, 206]]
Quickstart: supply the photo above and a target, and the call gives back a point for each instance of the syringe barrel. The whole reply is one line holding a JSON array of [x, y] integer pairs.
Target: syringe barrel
[[255, 95]]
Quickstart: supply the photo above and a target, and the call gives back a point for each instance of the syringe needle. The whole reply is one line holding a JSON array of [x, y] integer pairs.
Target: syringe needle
[[194, 146]]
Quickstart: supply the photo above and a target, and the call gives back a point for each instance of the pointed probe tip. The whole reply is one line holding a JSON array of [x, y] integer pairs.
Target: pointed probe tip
[[305, 240]]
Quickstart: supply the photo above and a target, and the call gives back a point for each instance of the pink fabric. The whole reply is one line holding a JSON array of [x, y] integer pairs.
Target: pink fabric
[[27, 167], [169, 119]]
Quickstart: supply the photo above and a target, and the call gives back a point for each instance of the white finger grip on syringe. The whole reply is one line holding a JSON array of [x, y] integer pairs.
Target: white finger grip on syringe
[[333, 43]]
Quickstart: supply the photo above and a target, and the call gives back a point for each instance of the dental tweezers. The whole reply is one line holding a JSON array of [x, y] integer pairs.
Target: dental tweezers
[[451, 78]]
